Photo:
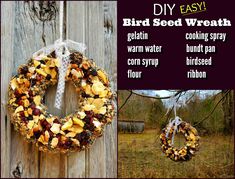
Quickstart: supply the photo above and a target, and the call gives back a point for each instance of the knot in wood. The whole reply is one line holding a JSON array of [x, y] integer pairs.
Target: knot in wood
[[18, 170], [42, 10]]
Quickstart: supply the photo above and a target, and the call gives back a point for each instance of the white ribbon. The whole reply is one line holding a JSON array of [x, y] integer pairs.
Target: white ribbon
[[172, 101], [173, 122], [62, 53]]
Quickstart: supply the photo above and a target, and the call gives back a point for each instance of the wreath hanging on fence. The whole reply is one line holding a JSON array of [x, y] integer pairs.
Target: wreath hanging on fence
[[29, 114], [186, 152]]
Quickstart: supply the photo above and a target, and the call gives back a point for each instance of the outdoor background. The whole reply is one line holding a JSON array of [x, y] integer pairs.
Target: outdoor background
[[212, 114]]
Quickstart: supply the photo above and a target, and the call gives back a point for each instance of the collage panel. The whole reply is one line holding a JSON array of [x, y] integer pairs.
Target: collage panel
[[58, 88], [167, 133]]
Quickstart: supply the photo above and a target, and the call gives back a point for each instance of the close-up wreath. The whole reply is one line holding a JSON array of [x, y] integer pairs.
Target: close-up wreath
[[75, 131], [186, 152]]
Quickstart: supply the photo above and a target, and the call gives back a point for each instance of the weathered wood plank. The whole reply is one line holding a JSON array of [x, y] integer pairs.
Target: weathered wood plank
[[75, 29], [110, 45], [51, 165], [89, 28], [7, 16], [34, 28], [95, 44], [24, 156]]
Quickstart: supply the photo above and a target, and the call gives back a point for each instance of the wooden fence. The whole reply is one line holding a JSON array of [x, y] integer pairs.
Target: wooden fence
[[27, 26]]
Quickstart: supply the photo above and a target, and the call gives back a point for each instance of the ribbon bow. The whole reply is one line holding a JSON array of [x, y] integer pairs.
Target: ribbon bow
[[62, 52]]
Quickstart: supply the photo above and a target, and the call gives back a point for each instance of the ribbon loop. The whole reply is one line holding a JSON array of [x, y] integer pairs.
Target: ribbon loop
[[80, 47], [62, 52], [173, 123]]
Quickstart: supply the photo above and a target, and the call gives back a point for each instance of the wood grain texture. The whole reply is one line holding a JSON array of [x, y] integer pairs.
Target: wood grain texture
[[110, 45], [52, 165], [89, 29], [75, 29], [26, 31], [7, 35], [95, 45], [110, 42], [32, 32]]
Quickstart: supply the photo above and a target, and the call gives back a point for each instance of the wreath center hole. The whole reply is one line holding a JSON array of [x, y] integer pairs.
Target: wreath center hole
[[70, 100], [179, 140]]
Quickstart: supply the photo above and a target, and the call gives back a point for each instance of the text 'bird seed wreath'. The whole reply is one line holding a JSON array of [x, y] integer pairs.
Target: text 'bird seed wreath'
[[186, 152], [74, 132]]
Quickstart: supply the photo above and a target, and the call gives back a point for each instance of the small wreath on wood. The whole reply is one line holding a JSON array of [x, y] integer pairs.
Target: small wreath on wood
[[186, 152], [74, 132]]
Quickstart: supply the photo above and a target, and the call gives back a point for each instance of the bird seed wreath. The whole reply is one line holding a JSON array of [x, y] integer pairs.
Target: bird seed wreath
[[191, 144], [74, 132]]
